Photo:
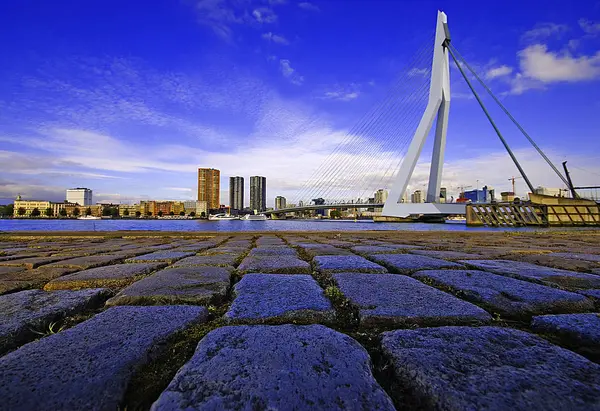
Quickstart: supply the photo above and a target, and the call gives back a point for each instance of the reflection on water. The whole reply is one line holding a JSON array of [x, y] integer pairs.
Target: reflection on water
[[236, 225]]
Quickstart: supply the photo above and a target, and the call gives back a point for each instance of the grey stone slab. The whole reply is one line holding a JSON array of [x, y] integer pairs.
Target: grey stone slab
[[580, 328], [373, 249], [407, 263], [284, 367], [505, 294], [489, 368], [398, 299], [260, 297], [532, 272], [24, 312], [273, 264], [217, 260], [89, 366], [447, 255], [183, 285], [341, 263], [112, 276], [576, 256], [166, 256], [273, 251], [88, 261]]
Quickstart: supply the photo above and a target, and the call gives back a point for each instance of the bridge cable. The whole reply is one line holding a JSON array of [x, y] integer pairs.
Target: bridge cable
[[487, 114], [539, 150]]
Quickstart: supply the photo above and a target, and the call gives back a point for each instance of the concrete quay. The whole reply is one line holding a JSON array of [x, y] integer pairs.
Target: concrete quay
[[370, 320]]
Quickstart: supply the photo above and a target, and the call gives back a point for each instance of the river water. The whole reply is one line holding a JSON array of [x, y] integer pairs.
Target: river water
[[233, 226]]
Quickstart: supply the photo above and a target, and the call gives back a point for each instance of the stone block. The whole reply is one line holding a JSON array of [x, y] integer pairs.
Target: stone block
[[582, 329], [447, 255], [24, 312], [341, 263], [160, 256], [89, 366], [272, 264], [398, 299], [217, 260], [183, 285], [489, 368], [507, 295], [112, 276], [532, 272], [284, 367], [262, 297], [408, 263]]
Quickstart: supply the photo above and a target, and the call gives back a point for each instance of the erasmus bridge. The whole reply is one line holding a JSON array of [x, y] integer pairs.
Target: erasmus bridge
[[383, 148]]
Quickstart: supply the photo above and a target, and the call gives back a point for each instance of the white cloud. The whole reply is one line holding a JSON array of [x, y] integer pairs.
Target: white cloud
[[308, 6], [538, 63], [544, 30], [589, 27], [500, 71], [275, 38], [290, 73]]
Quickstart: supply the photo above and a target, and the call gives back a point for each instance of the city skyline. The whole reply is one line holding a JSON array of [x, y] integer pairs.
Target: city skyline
[[272, 93]]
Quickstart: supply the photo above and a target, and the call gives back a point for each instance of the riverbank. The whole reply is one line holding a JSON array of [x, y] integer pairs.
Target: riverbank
[[343, 319]]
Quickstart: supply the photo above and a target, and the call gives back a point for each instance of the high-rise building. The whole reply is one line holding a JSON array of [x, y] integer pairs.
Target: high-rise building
[[416, 197], [79, 195], [209, 186], [380, 196], [236, 193], [258, 193], [280, 202]]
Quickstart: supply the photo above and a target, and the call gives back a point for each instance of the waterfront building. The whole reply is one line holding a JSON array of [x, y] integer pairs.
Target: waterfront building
[[236, 193], [209, 187], [280, 202], [79, 195], [258, 193], [416, 197], [381, 196]]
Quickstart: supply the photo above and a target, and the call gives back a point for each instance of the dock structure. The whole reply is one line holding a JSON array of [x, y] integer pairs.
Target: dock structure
[[541, 210]]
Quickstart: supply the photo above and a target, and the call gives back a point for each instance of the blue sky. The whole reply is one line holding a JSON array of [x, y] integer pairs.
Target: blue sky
[[129, 98]]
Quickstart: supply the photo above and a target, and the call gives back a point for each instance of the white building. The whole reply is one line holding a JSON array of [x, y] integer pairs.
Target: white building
[[79, 195]]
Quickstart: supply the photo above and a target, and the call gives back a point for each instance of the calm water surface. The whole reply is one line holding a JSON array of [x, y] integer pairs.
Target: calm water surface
[[235, 225]]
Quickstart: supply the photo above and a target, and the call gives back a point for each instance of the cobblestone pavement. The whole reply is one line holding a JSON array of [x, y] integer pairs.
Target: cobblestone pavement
[[294, 321]]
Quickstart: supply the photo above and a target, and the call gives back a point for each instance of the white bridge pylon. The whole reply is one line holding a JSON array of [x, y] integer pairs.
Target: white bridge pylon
[[437, 106]]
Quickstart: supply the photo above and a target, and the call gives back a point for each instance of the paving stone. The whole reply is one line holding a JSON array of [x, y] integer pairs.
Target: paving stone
[[489, 368], [273, 251], [113, 276], [505, 294], [23, 312], [398, 299], [31, 262], [285, 367], [341, 263], [261, 297], [576, 256], [273, 264], [166, 256], [407, 263], [581, 328], [218, 260], [88, 261], [532, 272], [447, 255], [90, 365], [183, 285]]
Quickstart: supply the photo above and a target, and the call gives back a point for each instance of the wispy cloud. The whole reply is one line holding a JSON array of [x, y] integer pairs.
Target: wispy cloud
[[275, 38], [308, 6], [290, 73]]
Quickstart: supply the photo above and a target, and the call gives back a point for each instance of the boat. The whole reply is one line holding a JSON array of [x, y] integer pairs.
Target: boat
[[88, 217], [457, 219], [255, 217], [223, 216]]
